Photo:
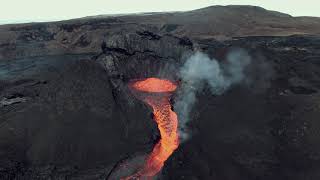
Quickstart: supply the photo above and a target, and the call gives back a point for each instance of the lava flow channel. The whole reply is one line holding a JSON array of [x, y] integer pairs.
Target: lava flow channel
[[156, 93]]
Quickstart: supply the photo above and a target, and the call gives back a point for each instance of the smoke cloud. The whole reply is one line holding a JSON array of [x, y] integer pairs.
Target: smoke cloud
[[197, 72]]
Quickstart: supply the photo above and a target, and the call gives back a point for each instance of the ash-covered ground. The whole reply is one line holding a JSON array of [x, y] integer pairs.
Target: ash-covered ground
[[66, 111]]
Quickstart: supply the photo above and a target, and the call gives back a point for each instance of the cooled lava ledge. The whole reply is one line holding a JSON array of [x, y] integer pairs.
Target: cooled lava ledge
[[156, 93]]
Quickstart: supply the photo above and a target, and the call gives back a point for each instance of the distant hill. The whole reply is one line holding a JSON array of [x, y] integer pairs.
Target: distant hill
[[229, 21], [84, 35]]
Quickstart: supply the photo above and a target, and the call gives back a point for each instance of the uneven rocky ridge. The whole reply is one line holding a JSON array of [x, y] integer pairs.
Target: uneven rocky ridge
[[223, 22], [85, 35]]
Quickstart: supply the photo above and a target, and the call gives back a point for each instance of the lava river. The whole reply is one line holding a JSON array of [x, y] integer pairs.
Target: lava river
[[156, 93]]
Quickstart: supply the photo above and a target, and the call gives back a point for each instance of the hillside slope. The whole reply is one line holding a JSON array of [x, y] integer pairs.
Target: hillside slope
[[230, 21], [85, 35]]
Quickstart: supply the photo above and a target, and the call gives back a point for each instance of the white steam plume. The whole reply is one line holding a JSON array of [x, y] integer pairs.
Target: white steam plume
[[199, 70]]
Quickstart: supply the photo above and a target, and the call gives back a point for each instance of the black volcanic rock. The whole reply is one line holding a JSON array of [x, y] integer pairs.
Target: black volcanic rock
[[136, 55], [75, 121], [266, 130], [81, 120]]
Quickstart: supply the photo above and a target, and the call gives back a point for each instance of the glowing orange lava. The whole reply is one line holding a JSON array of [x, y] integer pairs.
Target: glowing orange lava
[[154, 85], [157, 95]]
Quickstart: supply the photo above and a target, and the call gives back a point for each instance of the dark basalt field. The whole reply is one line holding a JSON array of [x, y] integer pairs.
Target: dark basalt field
[[66, 111]]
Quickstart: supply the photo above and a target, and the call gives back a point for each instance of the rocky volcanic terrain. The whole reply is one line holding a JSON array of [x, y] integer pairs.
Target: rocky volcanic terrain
[[66, 111]]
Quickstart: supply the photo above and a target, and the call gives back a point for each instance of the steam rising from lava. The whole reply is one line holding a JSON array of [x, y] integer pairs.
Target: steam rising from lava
[[199, 70]]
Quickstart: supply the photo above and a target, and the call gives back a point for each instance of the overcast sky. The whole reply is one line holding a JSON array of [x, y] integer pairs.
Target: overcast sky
[[13, 11]]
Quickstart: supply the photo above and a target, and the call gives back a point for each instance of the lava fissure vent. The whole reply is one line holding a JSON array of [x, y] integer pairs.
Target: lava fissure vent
[[156, 93]]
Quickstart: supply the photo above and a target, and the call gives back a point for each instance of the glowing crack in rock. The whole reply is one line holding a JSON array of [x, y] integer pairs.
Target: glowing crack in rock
[[156, 93]]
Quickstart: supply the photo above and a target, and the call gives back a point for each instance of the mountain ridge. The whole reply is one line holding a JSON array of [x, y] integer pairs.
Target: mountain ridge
[[83, 35]]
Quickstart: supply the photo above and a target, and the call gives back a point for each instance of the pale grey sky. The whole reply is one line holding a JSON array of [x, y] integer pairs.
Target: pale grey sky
[[12, 11]]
